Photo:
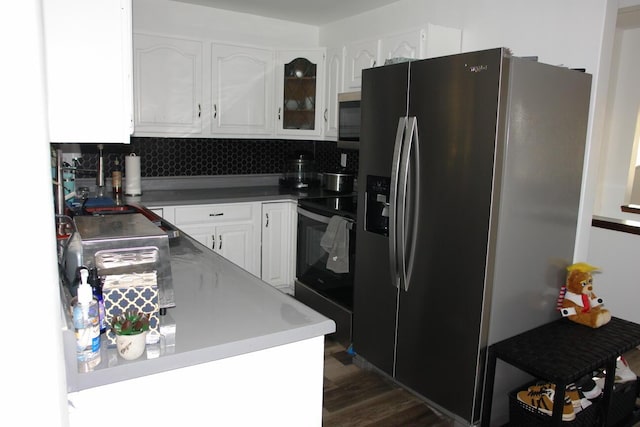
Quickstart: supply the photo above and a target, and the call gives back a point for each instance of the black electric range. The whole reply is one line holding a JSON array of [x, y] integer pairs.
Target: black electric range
[[321, 284], [342, 205]]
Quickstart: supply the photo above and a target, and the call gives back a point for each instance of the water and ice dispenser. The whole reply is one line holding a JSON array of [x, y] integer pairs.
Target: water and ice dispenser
[[377, 205]]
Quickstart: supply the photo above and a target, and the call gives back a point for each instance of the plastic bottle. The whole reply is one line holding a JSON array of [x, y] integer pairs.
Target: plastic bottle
[[86, 321], [116, 179], [96, 289]]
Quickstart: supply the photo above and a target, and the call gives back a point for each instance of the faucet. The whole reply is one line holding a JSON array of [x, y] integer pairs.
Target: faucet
[[59, 185]]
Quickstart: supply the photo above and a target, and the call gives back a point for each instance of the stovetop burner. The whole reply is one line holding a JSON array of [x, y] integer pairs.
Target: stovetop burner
[[335, 205]]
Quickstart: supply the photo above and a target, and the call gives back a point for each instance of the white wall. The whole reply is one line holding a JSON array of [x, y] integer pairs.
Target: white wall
[[396, 17], [198, 22], [33, 377]]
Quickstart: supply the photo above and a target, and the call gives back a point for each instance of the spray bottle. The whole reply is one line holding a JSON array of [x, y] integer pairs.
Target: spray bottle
[[86, 321]]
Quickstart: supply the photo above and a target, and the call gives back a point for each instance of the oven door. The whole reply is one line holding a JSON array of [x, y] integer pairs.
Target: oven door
[[311, 265]]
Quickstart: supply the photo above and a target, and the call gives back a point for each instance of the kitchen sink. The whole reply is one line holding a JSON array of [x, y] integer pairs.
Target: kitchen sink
[[106, 209]]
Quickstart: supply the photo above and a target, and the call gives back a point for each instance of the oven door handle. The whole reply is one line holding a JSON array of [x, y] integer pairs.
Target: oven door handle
[[320, 218]]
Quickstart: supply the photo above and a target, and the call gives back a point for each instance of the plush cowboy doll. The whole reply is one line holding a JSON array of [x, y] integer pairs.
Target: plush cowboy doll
[[577, 300]]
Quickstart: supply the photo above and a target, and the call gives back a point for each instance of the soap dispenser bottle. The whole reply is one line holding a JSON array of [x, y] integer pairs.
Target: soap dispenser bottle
[[86, 322]]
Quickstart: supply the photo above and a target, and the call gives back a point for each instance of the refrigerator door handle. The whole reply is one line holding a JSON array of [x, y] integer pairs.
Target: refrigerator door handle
[[409, 197], [393, 202]]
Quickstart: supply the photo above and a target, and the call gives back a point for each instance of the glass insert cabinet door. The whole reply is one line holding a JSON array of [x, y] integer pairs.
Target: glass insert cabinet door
[[299, 101]]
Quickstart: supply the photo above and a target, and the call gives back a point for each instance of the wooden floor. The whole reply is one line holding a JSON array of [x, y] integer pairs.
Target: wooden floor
[[358, 397]]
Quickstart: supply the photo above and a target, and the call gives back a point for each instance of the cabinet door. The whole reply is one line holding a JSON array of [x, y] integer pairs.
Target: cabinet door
[[334, 65], [168, 85], [89, 70], [359, 56], [230, 229], [242, 89], [402, 45], [437, 40], [236, 243], [278, 244], [204, 234], [300, 89]]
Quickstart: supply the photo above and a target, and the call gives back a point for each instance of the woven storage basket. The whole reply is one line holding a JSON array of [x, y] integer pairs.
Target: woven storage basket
[[623, 402]]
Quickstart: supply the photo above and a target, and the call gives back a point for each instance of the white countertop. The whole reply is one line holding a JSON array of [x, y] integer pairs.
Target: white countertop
[[221, 311]]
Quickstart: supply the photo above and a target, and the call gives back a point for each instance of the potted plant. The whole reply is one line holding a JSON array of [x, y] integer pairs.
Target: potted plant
[[130, 329]]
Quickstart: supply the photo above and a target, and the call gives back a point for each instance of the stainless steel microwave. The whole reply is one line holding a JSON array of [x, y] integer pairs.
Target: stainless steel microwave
[[349, 120]]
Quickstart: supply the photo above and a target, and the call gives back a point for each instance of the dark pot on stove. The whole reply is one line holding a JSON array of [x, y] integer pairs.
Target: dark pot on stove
[[339, 182]]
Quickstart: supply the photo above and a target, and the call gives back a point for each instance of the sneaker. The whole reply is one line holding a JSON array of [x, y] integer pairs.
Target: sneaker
[[588, 387], [578, 401], [623, 371], [540, 397]]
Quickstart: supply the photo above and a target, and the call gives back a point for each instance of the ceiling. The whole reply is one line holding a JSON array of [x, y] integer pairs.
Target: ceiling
[[312, 12]]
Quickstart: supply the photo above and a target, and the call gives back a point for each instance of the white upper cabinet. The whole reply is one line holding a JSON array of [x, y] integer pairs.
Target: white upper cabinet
[[402, 45], [437, 40], [242, 90], [89, 70], [359, 56], [300, 88], [333, 86], [168, 85]]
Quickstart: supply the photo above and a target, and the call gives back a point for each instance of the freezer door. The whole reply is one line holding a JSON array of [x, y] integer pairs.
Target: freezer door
[[383, 106], [455, 104]]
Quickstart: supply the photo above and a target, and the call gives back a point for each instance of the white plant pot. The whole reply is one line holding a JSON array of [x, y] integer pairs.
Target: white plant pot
[[131, 347]]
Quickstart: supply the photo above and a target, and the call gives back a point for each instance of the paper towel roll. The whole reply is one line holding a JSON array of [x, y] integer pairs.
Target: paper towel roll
[[132, 180]]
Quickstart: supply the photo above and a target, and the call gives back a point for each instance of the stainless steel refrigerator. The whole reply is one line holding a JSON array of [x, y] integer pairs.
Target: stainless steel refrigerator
[[469, 182]]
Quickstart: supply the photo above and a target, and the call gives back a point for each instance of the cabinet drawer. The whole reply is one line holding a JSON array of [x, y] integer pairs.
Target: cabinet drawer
[[215, 214]]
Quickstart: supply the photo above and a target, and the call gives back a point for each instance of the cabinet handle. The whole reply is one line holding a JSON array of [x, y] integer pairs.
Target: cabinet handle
[[213, 246], [199, 110], [326, 110], [216, 214], [267, 223], [220, 242], [279, 113], [215, 111]]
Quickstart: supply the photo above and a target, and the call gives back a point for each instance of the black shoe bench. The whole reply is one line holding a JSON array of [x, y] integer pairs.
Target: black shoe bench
[[561, 352]]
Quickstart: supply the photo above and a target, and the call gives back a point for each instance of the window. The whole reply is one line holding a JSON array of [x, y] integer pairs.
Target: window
[[620, 184]]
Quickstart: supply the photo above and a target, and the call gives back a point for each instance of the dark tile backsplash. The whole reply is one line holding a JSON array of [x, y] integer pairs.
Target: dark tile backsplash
[[162, 157]]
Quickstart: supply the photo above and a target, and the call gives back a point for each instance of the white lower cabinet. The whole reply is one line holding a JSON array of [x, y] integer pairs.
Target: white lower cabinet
[[231, 229], [257, 236], [279, 221]]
